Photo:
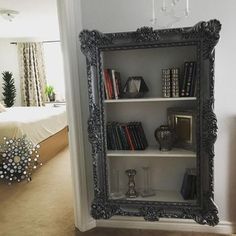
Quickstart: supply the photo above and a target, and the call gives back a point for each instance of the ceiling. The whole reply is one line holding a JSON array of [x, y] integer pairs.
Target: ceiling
[[37, 19]]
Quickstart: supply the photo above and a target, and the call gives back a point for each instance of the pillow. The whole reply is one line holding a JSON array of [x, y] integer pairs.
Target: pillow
[[2, 108]]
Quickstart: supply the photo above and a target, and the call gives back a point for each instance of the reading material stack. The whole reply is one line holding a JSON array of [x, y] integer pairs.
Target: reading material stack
[[126, 136], [112, 84], [174, 85]]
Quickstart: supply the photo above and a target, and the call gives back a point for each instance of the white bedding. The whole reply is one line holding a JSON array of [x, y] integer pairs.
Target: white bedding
[[37, 123]]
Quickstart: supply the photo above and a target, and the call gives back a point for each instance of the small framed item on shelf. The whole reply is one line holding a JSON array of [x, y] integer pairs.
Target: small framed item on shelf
[[183, 122], [135, 87]]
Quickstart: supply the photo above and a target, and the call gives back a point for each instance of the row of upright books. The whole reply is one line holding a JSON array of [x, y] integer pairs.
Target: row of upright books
[[170, 82], [189, 184], [175, 86], [126, 136], [112, 84], [189, 80]]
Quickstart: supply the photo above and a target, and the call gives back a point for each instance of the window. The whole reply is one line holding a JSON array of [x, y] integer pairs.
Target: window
[[54, 68]]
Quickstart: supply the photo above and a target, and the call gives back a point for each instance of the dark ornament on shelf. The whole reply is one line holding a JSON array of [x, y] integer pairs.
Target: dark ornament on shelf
[[165, 137], [18, 159], [135, 87]]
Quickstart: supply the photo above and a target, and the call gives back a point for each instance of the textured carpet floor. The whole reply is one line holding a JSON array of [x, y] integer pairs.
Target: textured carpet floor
[[43, 207]]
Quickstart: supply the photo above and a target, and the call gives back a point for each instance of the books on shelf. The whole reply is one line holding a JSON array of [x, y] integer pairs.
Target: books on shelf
[[170, 82], [112, 84], [189, 80], [126, 136], [175, 82], [189, 184], [166, 83], [174, 86]]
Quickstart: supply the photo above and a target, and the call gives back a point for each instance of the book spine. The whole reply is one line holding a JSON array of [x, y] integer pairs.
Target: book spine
[[143, 136], [107, 79], [175, 82], [105, 85], [189, 79], [109, 145], [118, 84], [193, 85], [166, 83], [119, 142], [123, 137], [135, 135], [139, 135], [132, 136], [111, 136], [113, 76], [129, 138], [111, 84], [188, 188], [184, 81], [115, 137]]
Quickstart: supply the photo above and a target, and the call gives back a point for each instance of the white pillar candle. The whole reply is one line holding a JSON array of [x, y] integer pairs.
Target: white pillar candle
[[163, 5], [187, 7], [153, 10]]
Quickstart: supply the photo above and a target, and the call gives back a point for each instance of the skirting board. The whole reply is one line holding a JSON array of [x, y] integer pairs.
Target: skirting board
[[224, 227]]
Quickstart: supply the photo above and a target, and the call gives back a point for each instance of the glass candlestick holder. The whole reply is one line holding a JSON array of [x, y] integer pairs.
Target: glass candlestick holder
[[131, 193], [147, 190], [116, 193]]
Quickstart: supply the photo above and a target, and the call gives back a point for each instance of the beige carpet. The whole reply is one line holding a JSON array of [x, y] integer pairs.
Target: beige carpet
[[43, 207]]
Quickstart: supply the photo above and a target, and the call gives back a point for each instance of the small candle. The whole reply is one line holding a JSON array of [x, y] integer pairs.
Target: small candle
[[153, 10], [163, 5], [187, 7]]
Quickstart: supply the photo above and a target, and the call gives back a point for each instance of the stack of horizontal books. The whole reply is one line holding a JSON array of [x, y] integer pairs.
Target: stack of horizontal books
[[189, 185], [126, 136]]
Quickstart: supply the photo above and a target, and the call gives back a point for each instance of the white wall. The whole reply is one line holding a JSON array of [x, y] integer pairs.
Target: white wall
[[37, 21], [36, 18], [9, 62], [123, 15]]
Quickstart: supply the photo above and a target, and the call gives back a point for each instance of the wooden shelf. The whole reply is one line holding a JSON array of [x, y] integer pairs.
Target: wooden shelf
[[161, 196], [152, 152], [126, 100]]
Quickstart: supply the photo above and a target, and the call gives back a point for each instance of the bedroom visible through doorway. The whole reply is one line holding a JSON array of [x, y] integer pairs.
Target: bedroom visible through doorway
[[34, 152]]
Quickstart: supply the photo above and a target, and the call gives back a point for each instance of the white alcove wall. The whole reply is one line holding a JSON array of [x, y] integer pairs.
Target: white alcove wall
[[115, 16]]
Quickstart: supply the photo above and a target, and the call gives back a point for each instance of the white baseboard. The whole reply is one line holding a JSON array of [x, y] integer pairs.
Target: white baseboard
[[224, 227]]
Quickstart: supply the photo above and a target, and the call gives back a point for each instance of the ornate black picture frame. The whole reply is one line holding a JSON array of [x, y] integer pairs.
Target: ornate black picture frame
[[204, 36]]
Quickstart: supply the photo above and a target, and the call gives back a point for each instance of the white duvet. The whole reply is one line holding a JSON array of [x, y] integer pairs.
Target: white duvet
[[37, 123]]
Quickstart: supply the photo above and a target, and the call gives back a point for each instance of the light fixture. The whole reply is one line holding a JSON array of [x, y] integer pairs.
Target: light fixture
[[7, 14], [169, 12]]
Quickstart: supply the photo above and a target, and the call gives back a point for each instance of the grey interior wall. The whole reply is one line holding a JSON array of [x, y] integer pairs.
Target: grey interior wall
[[123, 15]]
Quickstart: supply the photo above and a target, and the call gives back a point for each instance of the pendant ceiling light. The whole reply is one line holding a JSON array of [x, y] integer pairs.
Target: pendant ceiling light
[[7, 14]]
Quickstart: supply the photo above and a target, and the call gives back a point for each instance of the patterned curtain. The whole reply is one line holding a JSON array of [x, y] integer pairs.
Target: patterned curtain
[[32, 74]]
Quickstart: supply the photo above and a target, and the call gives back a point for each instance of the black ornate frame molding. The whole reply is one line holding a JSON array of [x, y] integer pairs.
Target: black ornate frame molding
[[204, 36]]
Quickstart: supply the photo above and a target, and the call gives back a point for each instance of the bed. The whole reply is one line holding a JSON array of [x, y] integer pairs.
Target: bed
[[46, 126]]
